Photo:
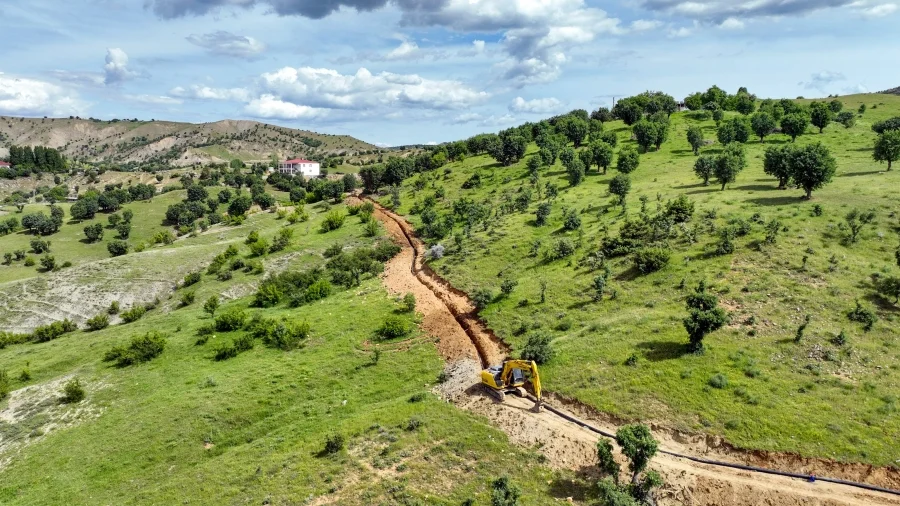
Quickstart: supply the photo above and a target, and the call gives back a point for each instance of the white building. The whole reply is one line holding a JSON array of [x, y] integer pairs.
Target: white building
[[306, 168]]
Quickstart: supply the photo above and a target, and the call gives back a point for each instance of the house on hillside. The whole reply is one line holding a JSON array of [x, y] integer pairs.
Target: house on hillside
[[5, 165], [299, 166]]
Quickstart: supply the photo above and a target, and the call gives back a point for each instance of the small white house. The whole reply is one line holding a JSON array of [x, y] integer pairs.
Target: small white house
[[306, 168]]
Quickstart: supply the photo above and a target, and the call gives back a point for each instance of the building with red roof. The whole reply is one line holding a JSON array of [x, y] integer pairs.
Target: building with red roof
[[5, 165], [300, 166]]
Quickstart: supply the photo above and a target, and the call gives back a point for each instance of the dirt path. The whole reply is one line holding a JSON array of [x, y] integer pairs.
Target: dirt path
[[467, 345]]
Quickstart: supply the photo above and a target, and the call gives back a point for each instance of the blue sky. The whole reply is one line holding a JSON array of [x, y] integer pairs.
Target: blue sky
[[415, 71]]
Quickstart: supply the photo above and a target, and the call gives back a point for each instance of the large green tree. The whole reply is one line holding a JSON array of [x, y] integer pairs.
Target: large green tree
[[887, 147], [705, 168], [733, 130], [820, 115], [704, 316], [777, 163], [729, 164], [812, 167], [794, 125], [629, 160], [763, 124], [620, 186], [695, 138], [601, 154]]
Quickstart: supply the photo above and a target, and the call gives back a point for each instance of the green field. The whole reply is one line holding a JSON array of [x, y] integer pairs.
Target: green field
[[814, 398], [187, 429]]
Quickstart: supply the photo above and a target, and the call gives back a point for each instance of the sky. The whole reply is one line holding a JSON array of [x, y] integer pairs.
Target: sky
[[395, 72]]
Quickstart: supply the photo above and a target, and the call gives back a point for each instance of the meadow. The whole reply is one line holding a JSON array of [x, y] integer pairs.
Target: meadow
[[626, 355]]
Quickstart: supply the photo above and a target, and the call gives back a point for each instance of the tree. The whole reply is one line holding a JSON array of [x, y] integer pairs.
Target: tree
[[127, 215], [820, 115], [629, 160], [733, 130], [601, 154], [745, 103], [887, 147], [777, 163], [650, 133], [113, 219], [575, 129], [117, 248], [628, 110], [196, 193], [85, 208], [889, 286], [812, 167], [705, 168], [729, 164], [856, 221], [575, 170], [239, 206], [794, 125], [124, 229], [620, 186], [881, 127], [695, 138], [542, 213], [715, 95], [48, 262], [638, 445], [93, 233], [504, 493], [211, 305], [694, 101], [763, 124], [704, 316]]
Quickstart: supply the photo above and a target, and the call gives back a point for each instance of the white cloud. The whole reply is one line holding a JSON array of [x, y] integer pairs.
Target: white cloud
[[718, 11], [821, 80], [154, 99], [643, 25], [680, 32], [207, 93], [536, 106], [116, 69], [483, 121], [270, 106], [228, 44], [732, 24], [876, 10], [853, 90], [29, 97], [407, 50], [326, 88]]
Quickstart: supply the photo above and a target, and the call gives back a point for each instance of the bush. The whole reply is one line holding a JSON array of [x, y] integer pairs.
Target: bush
[[719, 381], [507, 286], [117, 248], [238, 346], [4, 384], [334, 443], [538, 348], [279, 334], [652, 259], [317, 291], [560, 249], [231, 320], [48, 262], [141, 349], [191, 279], [113, 307], [394, 327], [863, 315], [99, 322], [40, 246], [53, 330], [29, 262], [409, 303], [481, 298], [680, 210], [333, 251], [73, 392], [259, 248], [572, 220], [187, 298], [134, 314], [372, 228], [333, 221]]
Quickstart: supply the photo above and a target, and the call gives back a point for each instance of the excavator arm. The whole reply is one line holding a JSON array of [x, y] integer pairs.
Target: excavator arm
[[524, 365]]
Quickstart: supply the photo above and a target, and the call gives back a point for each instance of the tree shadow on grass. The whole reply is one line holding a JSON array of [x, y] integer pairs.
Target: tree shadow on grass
[[757, 187], [707, 189], [856, 174], [884, 304], [657, 351], [579, 490], [630, 275], [688, 186]]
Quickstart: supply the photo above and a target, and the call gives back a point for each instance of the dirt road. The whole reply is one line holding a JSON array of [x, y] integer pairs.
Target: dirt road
[[467, 345]]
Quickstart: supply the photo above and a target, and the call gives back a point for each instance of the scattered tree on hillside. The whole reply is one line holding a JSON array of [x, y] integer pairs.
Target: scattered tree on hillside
[[601, 154], [794, 125], [85, 208], [887, 147], [628, 110], [504, 493], [729, 164], [745, 103], [856, 221], [836, 106], [763, 124], [733, 130], [704, 316], [820, 115], [889, 287], [629, 160], [812, 167], [93, 233], [881, 127], [575, 129], [639, 446], [575, 170], [705, 168], [211, 305], [620, 186], [777, 163], [695, 138]]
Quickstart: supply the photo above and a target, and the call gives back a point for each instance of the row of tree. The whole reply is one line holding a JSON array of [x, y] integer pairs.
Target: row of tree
[[36, 159]]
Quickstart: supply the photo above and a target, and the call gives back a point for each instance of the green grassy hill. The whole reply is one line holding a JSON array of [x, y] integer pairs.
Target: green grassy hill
[[813, 397], [186, 428]]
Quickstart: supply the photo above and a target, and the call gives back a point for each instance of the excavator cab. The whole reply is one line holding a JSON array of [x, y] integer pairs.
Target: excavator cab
[[510, 378]]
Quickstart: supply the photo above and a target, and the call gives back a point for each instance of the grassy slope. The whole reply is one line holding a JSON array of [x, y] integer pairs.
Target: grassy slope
[[266, 413], [843, 406]]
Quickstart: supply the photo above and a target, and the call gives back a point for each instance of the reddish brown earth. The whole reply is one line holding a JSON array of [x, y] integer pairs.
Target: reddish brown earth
[[467, 345]]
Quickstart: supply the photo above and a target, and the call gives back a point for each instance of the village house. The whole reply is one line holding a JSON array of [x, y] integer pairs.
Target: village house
[[299, 166]]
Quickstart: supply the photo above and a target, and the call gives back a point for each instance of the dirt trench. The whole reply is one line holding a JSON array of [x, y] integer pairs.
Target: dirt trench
[[467, 345]]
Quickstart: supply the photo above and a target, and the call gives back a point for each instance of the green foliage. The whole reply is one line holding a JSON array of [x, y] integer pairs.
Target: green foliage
[[408, 305], [729, 164], [651, 259], [763, 124], [539, 348], [812, 167], [863, 315], [887, 148], [259, 248], [134, 314], [857, 220], [820, 115], [93, 233], [333, 221], [282, 334], [334, 443], [238, 345], [639, 445], [394, 327], [620, 186], [542, 213], [73, 392], [889, 287], [504, 493], [117, 248], [705, 168], [481, 298], [794, 125], [99, 322], [560, 248], [140, 350], [4, 384], [53, 330], [187, 298], [572, 220], [629, 160], [704, 316], [733, 130], [231, 320], [211, 305], [680, 210], [191, 279], [695, 138]]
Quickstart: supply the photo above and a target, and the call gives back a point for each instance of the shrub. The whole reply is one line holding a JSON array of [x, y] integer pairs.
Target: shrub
[[408, 304], [268, 294], [238, 346], [191, 279], [141, 349], [561, 248], [48, 262], [863, 315], [333, 250], [259, 248], [504, 493], [542, 214], [113, 307], [93, 233], [99, 322], [507, 286], [318, 291], [334, 443], [187, 298], [840, 339], [231, 320], [680, 210], [225, 275], [652, 259], [333, 221], [481, 298], [394, 327], [53, 330], [117, 248], [40, 246], [372, 228], [704, 316], [29, 262], [254, 267], [279, 334], [538, 348], [134, 314], [889, 287], [719, 381], [572, 220], [282, 240], [4, 384], [73, 392]]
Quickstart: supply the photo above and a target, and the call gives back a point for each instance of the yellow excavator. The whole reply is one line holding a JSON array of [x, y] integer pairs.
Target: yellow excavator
[[510, 378]]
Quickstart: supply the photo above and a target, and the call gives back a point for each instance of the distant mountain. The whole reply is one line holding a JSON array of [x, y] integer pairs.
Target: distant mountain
[[132, 143], [892, 91]]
